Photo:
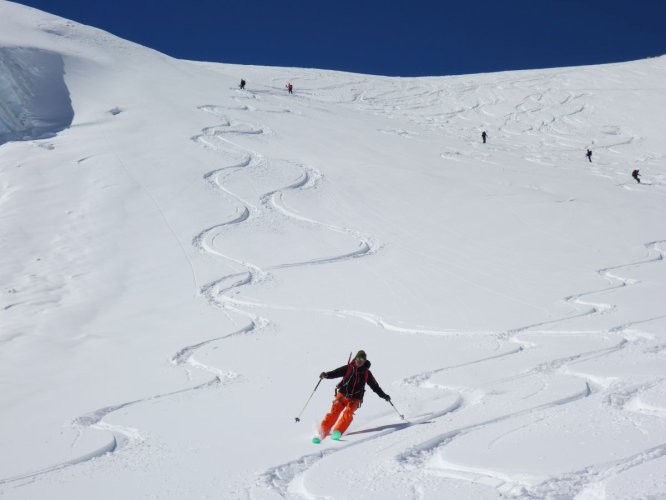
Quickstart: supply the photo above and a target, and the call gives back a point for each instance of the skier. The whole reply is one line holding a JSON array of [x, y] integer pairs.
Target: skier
[[348, 395], [636, 175], [589, 155], [290, 88], [483, 136], [242, 84]]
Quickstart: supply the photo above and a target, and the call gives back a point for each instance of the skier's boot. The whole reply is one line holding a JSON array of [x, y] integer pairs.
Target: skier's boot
[[336, 435]]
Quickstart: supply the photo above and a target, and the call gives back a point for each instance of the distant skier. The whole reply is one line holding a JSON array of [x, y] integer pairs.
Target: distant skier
[[484, 136], [242, 84], [589, 155], [290, 88], [348, 395], [636, 175]]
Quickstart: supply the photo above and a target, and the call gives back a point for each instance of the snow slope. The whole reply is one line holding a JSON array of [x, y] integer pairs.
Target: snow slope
[[180, 260]]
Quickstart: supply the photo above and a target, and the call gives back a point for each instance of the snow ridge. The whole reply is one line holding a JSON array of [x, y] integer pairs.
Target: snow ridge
[[34, 100]]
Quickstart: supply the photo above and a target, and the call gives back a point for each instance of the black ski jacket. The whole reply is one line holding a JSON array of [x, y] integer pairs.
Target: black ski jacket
[[354, 379]]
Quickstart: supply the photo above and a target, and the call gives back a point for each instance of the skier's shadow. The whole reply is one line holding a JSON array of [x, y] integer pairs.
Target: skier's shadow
[[381, 428]]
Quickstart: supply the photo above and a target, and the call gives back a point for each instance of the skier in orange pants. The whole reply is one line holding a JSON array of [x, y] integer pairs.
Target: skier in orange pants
[[342, 405], [349, 395]]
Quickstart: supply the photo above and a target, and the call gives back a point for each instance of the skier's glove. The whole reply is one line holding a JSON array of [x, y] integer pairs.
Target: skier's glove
[[387, 398], [322, 375]]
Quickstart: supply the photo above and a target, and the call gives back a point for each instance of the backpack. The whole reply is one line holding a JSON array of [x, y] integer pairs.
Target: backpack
[[348, 372]]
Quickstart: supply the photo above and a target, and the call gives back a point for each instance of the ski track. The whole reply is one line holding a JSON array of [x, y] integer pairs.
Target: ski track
[[569, 485], [574, 482], [281, 477], [269, 201], [121, 437]]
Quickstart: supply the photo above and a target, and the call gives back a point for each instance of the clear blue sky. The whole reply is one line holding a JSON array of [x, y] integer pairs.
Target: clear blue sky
[[386, 37]]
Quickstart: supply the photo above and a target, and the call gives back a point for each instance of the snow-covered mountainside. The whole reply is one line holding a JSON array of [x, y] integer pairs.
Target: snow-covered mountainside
[[181, 258]]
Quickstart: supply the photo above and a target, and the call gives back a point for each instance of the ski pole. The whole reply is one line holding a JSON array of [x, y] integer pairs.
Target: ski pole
[[396, 410], [298, 419]]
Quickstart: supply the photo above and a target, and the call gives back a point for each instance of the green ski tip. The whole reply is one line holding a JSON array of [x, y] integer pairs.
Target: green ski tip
[[316, 440], [336, 435]]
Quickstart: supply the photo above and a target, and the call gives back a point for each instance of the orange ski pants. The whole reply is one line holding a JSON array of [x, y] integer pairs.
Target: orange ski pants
[[343, 405]]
